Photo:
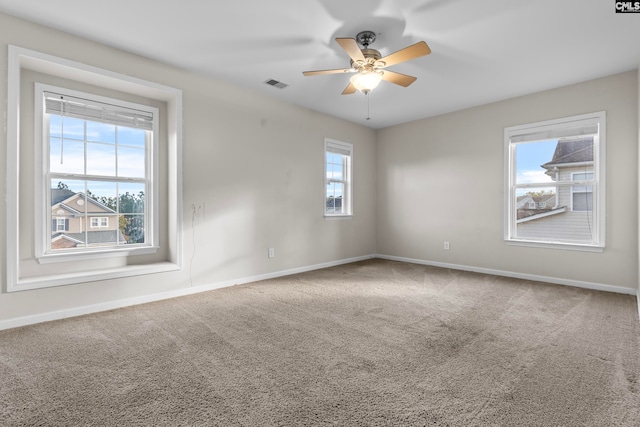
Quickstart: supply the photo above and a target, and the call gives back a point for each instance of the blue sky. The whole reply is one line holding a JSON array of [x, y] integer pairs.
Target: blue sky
[[529, 157]]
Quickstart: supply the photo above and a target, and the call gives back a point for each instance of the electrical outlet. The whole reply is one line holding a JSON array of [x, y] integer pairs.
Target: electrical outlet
[[446, 246], [272, 252]]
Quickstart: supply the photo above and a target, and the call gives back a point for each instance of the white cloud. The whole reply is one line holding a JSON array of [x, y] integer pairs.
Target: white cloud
[[532, 176]]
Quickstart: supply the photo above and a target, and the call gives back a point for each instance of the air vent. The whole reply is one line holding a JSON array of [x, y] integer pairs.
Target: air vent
[[275, 83]]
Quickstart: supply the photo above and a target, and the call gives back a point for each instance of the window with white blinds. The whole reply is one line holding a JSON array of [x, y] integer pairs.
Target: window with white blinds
[[338, 163], [97, 155]]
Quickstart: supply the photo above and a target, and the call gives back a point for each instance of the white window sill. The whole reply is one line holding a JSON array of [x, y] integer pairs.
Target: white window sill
[[556, 245], [336, 217], [95, 254], [113, 273]]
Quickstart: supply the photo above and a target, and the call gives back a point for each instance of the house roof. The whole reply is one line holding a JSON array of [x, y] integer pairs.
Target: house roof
[[572, 150], [60, 194], [533, 214], [94, 237]]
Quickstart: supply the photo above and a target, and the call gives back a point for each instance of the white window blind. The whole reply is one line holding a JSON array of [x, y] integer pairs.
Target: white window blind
[[84, 109], [541, 133], [342, 149]]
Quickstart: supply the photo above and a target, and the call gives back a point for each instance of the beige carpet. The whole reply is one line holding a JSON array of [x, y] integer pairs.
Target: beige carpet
[[375, 343]]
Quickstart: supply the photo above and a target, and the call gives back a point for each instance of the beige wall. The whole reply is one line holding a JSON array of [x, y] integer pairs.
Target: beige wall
[[441, 179], [252, 165]]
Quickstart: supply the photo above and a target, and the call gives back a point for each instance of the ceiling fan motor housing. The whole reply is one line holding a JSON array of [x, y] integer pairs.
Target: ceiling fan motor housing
[[365, 38], [371, 57]]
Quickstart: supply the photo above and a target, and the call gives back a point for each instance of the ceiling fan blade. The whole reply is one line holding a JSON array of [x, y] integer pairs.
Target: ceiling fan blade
[[410, 52], [336, 71], [351, 47], [398, 78], [349, 89]]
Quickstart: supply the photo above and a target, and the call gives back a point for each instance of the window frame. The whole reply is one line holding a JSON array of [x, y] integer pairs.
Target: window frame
[[346, 150], [555, 129], [22, 269], [44, 251]]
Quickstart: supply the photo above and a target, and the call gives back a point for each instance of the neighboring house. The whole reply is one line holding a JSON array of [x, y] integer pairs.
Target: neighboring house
[[531, 205], [567, 214], [77, 219]]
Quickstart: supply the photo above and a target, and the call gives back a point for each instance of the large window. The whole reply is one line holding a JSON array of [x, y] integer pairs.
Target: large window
[[96, 155], [338, 159], [104, 191], [555, 183]]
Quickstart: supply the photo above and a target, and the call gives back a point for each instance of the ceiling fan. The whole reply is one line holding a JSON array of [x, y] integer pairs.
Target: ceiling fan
[[370, 65]]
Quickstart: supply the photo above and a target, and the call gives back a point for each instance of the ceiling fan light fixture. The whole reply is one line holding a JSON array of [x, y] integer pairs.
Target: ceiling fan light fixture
[[366, 81]]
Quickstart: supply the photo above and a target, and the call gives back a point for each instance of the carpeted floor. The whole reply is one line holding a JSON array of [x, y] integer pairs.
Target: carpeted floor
[[375, 343]]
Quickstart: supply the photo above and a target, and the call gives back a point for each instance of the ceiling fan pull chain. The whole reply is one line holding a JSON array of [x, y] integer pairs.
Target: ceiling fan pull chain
[[368, 106]]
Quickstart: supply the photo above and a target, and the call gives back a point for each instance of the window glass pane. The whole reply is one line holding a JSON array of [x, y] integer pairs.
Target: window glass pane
[[336, 172], [131, 197], [132, 208], [103, 194], [131, 137], [132, 227], [55, 130], [68, 205], [66, 156], [101, 132], [131, 162], [101, 159], [530, 158], [72, 128], [334, 198], [102, 212]]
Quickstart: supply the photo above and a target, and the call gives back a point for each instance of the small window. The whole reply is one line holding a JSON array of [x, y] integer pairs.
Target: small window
[[338, 160], [560, 164], [97, 161], [99, 222], [582, 196], [61, 224]]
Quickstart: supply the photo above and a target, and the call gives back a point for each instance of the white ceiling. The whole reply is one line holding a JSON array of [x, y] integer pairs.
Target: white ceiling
[[482, 51]]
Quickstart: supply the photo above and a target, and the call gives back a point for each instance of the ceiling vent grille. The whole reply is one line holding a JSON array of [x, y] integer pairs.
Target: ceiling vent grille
[[275, 83]]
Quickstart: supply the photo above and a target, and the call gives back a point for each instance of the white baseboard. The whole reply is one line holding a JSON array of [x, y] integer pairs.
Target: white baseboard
[[534, 277], [95, 308]]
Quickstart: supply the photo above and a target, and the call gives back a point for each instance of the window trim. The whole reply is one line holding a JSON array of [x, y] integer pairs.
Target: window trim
[[339, 146], [25, 59], [548, 129], [42, 204]]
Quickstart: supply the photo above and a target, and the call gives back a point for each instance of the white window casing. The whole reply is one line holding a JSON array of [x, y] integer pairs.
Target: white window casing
[[88, 108], [580, 177], [24, 271], [338, 179]]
